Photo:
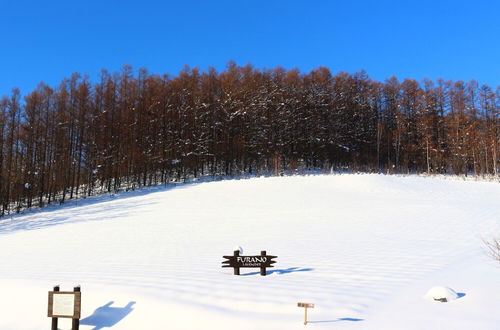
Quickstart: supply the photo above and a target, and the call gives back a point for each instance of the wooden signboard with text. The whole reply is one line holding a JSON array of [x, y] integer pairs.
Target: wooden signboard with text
[[65, 304], [261, 261]]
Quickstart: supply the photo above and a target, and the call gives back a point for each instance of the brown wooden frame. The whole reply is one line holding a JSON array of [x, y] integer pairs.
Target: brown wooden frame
[[76, 309]]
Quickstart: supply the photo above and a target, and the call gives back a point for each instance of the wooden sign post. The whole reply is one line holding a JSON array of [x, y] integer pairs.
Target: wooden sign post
[[306, 306], [65, 304], [236, 261]]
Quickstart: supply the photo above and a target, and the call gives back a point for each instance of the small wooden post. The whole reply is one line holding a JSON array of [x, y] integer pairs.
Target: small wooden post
[[76, 322], [306, 306], [263, 269], [236, 269], [54, 319]]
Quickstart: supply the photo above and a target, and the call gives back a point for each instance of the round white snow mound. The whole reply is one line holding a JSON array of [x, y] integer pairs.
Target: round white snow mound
[[439, 293], [238, 248]]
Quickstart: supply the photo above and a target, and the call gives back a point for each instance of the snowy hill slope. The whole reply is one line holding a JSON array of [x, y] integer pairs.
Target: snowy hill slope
[[363, 248]]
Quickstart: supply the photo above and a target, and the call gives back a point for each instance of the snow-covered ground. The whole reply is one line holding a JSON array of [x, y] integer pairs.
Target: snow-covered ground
[[365, 249]]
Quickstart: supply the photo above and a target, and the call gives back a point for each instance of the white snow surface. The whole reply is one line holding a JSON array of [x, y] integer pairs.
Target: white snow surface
[[363, 248]]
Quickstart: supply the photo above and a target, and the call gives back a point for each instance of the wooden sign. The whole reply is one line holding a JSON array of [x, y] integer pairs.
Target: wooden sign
[[65, 304], [306, 306], [261, 261]]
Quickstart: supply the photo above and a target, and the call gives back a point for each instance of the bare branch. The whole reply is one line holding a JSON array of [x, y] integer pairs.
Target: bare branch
[[493, 248]]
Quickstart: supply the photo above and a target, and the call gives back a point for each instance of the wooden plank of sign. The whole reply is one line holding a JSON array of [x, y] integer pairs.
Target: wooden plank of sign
[[263, 271], [307, 305], [60, 299], [255, 261], [75, 323], [236, 270], [54, 319]]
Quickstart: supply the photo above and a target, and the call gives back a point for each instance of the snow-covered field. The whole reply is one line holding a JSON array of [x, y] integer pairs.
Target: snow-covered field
[[365, 249]]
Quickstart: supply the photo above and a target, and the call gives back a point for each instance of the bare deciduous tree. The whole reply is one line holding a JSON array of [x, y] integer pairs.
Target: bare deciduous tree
[[493, 248], [133, 129]]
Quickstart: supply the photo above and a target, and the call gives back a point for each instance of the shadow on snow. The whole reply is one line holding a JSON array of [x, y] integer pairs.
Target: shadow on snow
[[87, 208], [107, 316], [77, 210], [351, 319], [281, 271]]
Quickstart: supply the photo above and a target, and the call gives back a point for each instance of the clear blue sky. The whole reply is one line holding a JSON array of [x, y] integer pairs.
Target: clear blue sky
[[48, 40]]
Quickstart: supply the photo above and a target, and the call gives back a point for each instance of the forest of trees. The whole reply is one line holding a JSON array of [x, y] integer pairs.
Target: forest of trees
[[134, 129]]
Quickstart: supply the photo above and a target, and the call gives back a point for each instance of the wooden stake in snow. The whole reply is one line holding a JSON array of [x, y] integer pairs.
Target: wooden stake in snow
[[306, 306]]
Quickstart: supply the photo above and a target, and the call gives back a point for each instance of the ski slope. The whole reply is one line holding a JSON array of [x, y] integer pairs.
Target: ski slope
[[364, 249]]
